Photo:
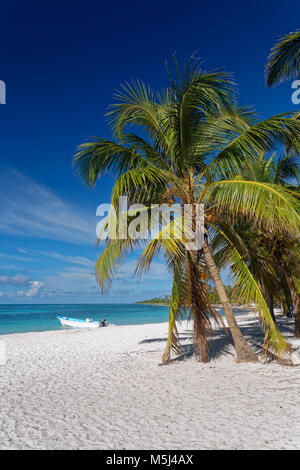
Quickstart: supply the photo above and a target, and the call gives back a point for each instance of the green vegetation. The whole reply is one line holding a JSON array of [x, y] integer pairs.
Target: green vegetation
[[196, 145], [165, 300], [284, 60], [232, 294], [212, 295]]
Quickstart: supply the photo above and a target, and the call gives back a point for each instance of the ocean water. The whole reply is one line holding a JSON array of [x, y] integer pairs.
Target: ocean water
[[26, 318]]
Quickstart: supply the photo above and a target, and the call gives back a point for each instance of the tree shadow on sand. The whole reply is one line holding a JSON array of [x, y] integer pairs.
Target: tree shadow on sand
[[221, 343]]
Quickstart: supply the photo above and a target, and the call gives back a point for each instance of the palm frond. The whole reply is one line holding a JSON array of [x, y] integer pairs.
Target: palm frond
[[139, 183], [248, 141], [100, 155], [136, 106], [258, 201], [249, 291], [175, 312], [284, 60], [106, 264], [172, 244], [287, 169]]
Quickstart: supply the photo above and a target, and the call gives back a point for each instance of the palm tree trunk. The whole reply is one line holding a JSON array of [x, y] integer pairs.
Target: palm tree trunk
[[197, 301], [244, 351], [283, 309], [204, 357], [296, 305], [296, 302], [297, 321], [270, 303]]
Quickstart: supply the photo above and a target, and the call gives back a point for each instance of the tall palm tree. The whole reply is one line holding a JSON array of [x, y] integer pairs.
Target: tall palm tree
[[193, 141], [284, 60]]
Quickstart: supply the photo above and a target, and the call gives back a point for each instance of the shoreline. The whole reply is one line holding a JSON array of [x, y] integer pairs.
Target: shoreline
[[61, 329], [152, 305], [103, 389]]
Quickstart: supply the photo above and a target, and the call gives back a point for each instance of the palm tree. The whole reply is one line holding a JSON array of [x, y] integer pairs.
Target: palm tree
[[272, 256], [284, 60], [193, 141]]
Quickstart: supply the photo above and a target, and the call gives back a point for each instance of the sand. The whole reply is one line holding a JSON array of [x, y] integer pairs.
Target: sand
[[103, 389]]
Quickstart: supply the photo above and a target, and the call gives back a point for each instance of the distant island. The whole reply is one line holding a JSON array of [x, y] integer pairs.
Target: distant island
[[212, 295], [165, 301]]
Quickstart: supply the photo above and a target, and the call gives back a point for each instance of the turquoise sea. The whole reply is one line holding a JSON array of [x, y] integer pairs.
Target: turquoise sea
[[25, 318]]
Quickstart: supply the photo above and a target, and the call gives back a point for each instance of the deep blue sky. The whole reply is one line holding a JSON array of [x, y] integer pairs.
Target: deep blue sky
[[61, 62]]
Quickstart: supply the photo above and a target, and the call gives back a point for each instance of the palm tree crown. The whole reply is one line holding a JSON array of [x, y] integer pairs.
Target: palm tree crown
[[193, 141], [284, 60]]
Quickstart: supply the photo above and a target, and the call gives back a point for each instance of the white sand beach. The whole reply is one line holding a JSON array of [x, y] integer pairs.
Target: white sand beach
[[103, 389]]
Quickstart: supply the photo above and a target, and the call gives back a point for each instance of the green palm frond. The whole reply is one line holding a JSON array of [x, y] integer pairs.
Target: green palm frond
[[140, 182], [100, 155], [135, 103], [266, 136], [246, 240], [189, 295], [176, 305], [248, 290], [196, 145], [287, 169], [284, 60], [158, 159], [106, 264], [258, 201], [260, 168], [117, 223], [214, 133], [194, 97], [201, 311], [135, 106], [173, 246], [194, 86]]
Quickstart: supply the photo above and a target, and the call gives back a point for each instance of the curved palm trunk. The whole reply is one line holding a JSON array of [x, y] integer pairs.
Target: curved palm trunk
[[270, 303], [297, 318], [244, 351], [283, 309], [296, 305], [296, 302]]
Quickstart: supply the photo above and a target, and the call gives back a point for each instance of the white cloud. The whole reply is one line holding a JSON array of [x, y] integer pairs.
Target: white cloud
[[8, 266], [35, 287], [30, 209], [17, 280], [1, 294], [77, 260]]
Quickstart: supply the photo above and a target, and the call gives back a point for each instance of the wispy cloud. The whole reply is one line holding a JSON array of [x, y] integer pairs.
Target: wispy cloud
[[15, 257], [41, 270], [17, 280], [29, 209], [77, 260]]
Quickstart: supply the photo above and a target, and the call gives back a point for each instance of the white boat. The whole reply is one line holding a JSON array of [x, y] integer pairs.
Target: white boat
[[78, 323]]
